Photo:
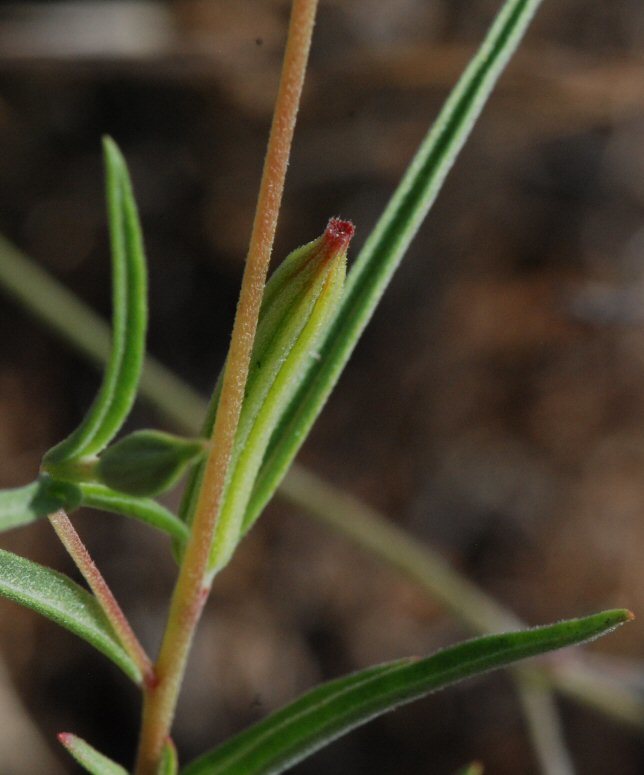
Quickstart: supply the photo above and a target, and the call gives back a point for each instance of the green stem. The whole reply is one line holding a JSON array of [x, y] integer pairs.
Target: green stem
[[84, 330], [193, 584], [81, 328]]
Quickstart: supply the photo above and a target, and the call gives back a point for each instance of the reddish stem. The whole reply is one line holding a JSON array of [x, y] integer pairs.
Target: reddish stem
[[193, 586], [103, 594]]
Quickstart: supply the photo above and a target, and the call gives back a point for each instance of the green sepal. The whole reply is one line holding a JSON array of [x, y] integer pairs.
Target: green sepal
[[147, 462], [88, 757], [60, 599], [23, 505], [293, 733], [129, 321], [169, 760], [299, 303]]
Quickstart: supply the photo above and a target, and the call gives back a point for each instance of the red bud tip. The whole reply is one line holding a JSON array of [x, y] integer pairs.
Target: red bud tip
[[66, 738], [338, 235]]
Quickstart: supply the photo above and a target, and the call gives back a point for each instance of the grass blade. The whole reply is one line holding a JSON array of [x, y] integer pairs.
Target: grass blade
[[390, 238], [60, 599], [129, 320], [333, 709], [88, 757]]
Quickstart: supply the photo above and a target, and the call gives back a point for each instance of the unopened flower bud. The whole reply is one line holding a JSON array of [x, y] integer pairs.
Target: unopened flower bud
[[300, 301], [147, 462]]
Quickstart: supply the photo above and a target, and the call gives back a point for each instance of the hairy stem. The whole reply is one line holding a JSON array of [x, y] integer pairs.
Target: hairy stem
[[192, 587], [80, 327], [103, 594]]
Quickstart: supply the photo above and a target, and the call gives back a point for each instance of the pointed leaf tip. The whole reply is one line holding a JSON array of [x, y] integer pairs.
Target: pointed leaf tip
[[129, 320], [60, 599], [88, 757], [293, 733]]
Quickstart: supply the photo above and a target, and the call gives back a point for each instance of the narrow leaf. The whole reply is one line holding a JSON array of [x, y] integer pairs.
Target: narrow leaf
[[389, 240], [88, 757], [290, 735], [60, 599], [98, 496], [129, 320], [33, 501]]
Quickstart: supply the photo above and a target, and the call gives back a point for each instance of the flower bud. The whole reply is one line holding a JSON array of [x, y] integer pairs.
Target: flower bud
[[147, 462], [299, 304]]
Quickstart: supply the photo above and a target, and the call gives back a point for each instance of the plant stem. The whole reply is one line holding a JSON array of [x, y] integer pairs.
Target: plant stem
[[82, 329], [103, 594], [193, 584]]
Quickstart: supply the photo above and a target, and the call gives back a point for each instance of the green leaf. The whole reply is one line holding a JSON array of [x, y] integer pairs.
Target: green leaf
[[60, 599], [129, 320], [389, 240], [169, 760], [26, 504], [290, 735], [98, 496], [88, 757], [147, 462]]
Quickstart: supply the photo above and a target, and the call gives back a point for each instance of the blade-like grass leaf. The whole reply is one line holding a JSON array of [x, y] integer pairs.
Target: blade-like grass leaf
[[88, 757], [333, 709], [389, 240], [129, 320], [98, 496], [60, 599], [33, 501]]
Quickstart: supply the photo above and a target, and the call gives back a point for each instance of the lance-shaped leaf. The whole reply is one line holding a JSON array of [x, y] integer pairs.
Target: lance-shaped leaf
[[147, 462], [88, 757], [286, 737], [129, 320], [98, 496], [389, 240], [60, 599], [33, 501]]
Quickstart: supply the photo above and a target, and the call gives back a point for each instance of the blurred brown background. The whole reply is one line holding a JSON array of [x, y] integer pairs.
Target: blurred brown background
[[495, 406]]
